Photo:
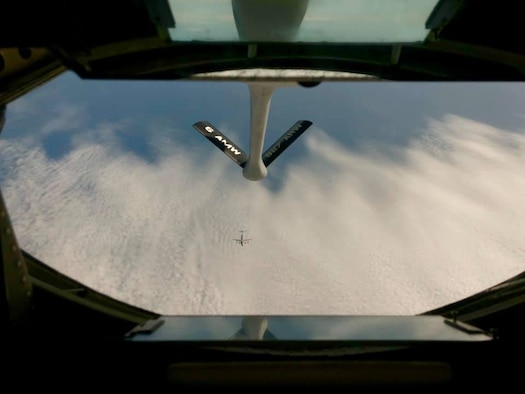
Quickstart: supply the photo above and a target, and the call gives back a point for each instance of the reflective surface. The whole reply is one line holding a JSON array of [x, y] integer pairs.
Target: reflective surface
[[331, 21], [332, 328]]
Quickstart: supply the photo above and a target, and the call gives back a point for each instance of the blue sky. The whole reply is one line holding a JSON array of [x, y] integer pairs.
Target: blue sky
[[401, 198]]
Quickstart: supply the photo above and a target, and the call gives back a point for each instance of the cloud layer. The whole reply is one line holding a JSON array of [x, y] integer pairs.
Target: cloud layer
[[347, 233]]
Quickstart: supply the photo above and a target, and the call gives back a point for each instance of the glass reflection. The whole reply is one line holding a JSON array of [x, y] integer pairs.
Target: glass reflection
[[311, 328], [301, 20]]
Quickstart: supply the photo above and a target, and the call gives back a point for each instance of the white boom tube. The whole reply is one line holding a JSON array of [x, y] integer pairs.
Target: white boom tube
[[260, 98], [253, 164]]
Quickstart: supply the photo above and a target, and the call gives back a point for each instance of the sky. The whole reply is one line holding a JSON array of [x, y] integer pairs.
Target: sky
[[401, 198]]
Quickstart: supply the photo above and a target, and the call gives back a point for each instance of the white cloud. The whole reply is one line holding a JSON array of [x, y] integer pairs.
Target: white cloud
[[59, 115], [348, 233], [66, 117]]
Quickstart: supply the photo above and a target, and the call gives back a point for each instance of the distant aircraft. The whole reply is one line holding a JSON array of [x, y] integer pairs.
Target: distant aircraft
[[241, 241]]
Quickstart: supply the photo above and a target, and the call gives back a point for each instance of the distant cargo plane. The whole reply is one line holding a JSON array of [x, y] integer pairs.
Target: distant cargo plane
[[241, 241]]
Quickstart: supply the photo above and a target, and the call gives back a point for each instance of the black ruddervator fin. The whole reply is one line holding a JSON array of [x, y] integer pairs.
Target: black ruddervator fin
[[235, 153], [222, 142], [285, 141]]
